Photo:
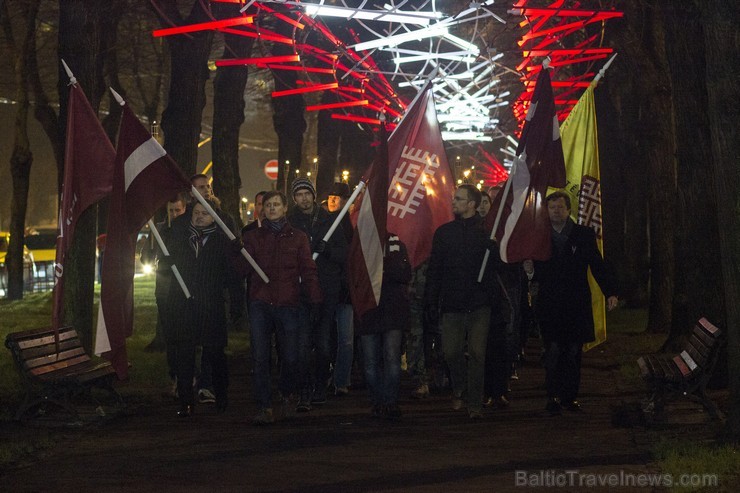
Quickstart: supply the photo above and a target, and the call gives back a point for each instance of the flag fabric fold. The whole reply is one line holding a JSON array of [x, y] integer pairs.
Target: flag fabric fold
[[370, 234], [581, 150], [524, 230], [144, 179], [88, 173], [422, 185]]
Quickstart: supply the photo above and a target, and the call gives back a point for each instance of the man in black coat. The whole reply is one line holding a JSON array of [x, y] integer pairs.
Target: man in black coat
[[452, 289], [564, 301], [313, 220]]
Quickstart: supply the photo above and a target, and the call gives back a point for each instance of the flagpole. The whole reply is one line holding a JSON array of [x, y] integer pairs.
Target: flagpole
[[166, 253], [229, 234], [360, 187], [500, 212], [604, 69]]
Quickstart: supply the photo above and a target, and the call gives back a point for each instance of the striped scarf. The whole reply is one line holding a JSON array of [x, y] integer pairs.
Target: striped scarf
[[275, 226], [198, 236]]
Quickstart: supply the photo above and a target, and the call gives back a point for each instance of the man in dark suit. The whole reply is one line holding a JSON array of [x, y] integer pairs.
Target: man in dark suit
[[564, 301]]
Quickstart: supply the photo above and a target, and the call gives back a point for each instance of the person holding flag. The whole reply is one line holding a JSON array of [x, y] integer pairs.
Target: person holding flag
[[452, 289], [564, 301], [205, 258]]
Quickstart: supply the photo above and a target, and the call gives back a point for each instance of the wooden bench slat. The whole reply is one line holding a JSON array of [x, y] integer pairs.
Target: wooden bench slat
[[709, 327], [82, 373], [670, 371], [697, 356], [689, 360], [682, 367], [644, 370], [28, 342], [705, 337], [49, 349], [63, 359], [58, 366]]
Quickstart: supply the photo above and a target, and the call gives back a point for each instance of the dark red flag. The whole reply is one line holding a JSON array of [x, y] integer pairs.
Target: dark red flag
[[144, 179], [88, 174], [421, 189], [368, 242], [524, 229]]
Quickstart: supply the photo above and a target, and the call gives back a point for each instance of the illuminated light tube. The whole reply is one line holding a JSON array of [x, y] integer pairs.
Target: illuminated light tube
[[301, 68], [355, 118], [435, 56], [204, 26], [559, 52], [317, 87], [418, 18], [427, 32], [448, 136], [261, 34], [466, 45], [329, 106], [262, 60], [290, 21], [351, 89]]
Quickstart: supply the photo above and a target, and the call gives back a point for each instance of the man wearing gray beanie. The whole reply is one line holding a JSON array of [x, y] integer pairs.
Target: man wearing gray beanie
[[317, 324]]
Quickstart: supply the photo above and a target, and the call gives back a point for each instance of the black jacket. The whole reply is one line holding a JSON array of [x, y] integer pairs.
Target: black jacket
[[330, 263], [457, 254], [393, 310], [564, 298]]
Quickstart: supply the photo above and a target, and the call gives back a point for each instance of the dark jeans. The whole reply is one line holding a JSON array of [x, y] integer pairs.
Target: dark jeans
[[498, 361], [262, 318], [563, 369], [184, 355], [382, 364], [314, 345]]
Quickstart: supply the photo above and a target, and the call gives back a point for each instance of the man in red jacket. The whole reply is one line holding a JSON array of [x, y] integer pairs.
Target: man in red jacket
[[284, 254]]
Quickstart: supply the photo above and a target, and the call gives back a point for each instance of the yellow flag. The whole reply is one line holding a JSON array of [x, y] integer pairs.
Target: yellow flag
[[581, 151]]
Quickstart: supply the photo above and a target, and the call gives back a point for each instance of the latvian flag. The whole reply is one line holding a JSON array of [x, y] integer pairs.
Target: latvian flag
[[144, 179]]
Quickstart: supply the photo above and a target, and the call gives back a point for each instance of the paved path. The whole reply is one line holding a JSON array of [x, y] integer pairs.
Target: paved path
[[339, 448]]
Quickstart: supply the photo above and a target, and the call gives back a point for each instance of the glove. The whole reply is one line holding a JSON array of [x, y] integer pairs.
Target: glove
[[492, 245], [431, 316], [236, 244], [320, 246]]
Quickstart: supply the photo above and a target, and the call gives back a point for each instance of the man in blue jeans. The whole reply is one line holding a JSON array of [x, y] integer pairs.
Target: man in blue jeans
[[452, 290]]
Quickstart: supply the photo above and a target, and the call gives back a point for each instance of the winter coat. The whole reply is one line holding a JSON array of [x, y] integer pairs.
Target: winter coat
[[393, 310], [564, 300], [457, 254], [202, 319], [330, 263], [285, 257]]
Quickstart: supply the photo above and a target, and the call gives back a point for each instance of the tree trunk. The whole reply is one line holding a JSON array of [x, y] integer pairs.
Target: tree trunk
[[697, 292], [181, 120], [21, 157], [722, 45], [79, 45], [228, 116], [287, 116]]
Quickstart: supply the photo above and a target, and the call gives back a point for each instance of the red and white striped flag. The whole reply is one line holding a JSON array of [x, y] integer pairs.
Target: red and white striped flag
[[145, 178], [88, 173], [368, 242], [524, 230]]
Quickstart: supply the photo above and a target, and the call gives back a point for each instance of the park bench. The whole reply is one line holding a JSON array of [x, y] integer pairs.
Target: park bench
[[684, 374], [54, 374]]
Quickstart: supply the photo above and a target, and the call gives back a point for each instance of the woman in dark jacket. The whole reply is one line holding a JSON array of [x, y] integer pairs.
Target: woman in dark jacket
[[381, 330], [284, 254], [204, 258]]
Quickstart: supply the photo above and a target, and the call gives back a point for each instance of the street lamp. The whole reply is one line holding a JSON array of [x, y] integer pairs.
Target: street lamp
[[345, 176]]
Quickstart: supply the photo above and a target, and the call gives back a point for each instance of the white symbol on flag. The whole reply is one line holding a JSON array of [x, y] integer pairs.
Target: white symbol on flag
[[407, 188]]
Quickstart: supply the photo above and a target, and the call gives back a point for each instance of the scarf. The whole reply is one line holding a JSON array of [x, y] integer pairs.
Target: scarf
[[198, 236], [275, 226]]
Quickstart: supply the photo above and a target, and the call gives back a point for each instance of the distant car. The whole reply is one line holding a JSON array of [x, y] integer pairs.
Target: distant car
[[42, 244], [29, 267]]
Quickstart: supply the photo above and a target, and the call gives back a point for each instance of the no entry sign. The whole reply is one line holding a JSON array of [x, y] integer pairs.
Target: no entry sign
[[271, 169]]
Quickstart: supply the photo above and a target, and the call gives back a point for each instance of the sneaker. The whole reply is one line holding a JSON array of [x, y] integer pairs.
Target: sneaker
[[500, 402], [421, 392], [341, 391], [392, 411], [475, 415], [553, 407], [514, 375], [319, 395], [205, 396], [457, 403], [263, 417]]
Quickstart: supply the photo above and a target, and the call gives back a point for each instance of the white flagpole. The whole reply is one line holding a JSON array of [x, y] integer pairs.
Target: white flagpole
[[604, 69], [229, 234], [504, 193], [166, 253], [360, 187]]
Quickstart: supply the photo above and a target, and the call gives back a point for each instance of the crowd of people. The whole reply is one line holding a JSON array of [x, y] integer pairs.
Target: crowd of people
[[452, 332]]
